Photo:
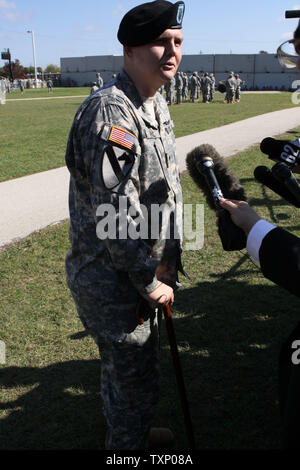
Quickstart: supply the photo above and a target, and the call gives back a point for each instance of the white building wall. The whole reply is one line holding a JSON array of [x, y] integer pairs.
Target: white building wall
[[260, 71]]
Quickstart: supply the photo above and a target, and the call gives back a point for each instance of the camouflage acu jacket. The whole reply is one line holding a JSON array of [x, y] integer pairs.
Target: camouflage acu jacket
[[117, 152]]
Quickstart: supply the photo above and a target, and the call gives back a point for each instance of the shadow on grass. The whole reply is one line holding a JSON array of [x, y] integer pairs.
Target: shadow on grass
[[61, 410], [229, 335]]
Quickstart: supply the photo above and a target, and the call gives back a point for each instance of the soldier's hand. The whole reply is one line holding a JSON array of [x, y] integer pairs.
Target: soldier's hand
[[162, 295]]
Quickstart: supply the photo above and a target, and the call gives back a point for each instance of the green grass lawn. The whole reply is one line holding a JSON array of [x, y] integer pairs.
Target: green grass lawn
[[229, 322], [33, 134], [43, 93]]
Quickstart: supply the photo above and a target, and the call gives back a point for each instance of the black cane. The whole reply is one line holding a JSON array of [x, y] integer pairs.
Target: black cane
[[179, 376]]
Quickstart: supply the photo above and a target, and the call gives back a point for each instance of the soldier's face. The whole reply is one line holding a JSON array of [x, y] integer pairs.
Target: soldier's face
[[159, 60]]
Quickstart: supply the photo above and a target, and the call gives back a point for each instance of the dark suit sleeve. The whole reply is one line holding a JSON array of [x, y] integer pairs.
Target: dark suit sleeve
[[279, 257]]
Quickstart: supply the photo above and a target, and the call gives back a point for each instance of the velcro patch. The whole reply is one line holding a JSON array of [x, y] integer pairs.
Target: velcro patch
[[116, 165], [122, 137]]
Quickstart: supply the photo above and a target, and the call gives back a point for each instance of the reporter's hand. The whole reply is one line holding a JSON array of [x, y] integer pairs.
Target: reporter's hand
[[241, 213], [162, 295]]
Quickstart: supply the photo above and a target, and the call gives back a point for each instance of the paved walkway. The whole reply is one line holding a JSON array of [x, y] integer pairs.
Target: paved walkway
[[33, 202]]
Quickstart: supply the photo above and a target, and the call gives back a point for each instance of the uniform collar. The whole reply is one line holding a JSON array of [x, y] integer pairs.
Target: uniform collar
[[128, 87]]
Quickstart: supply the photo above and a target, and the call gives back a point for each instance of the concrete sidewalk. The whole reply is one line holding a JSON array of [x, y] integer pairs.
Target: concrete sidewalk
[[33, 202]]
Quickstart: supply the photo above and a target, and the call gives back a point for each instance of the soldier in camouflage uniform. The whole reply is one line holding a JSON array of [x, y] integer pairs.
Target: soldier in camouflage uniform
[[193, 87], [170, 91], [99, 80], [212, 87], [239, 83], [206, 84], [122, 162], [179, 88], [185, 91], [230, 88]]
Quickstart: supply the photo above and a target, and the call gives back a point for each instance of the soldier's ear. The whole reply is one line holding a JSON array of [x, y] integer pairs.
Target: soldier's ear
[[127, 51]]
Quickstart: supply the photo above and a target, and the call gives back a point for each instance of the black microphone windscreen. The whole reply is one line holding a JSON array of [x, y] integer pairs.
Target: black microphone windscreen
[[267, 145], [229, 184], [265, 176], [278, 148]]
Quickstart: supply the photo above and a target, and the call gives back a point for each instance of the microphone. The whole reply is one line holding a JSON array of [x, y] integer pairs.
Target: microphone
[[266, 177], [207, 167], [284, 175], [292, 14], [285, 151]]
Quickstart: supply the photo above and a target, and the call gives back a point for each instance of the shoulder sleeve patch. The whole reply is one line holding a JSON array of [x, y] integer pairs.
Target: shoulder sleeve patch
[[122, 137], [116, 166]]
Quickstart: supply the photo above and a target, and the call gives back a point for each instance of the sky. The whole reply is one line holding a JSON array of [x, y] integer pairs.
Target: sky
[[76, 28]]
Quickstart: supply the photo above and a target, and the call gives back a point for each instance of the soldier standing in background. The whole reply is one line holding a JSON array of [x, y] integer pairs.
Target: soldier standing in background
[[170, 91], [198, 89], [239, 83], [94, 88], [206, 83], [212, 87], [122, 160], [49, 85], [179, 87], [185, 91], [99, 80], [21, 84], [193, 87], [173, 84], [167, 88], [230, 88]]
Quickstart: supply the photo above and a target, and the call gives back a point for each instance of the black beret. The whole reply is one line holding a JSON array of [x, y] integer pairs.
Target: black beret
[[146, 22]]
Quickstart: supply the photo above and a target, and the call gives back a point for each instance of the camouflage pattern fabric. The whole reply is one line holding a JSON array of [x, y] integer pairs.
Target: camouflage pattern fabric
[[230, 89], [238, 88], [179, 88], [206, 84], [170, 91], [107, 276], [193, 88]]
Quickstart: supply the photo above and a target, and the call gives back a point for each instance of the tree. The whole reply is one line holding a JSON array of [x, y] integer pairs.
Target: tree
[[263, 52], [17, 69], [52, 69]]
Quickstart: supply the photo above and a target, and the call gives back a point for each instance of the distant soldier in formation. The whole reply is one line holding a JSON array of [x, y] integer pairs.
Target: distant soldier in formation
[[193, 87], [212, 86], [99, 80], [94, 88], [205, 88], [230, 88], [179, 87], [185, 91], [198, 86], [170, 91], [239, 83]]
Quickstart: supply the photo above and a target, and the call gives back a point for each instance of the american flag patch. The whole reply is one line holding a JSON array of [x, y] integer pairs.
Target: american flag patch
[[122, 137]]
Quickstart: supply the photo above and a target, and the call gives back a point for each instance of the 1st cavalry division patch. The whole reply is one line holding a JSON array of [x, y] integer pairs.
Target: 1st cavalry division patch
[[118, 157]]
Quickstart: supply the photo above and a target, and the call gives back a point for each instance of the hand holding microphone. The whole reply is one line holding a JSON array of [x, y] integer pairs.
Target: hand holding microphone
[[241, 213], [207, 169]]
